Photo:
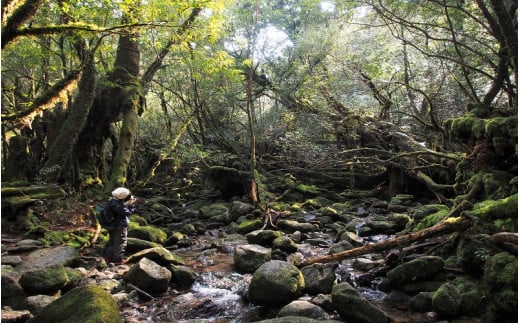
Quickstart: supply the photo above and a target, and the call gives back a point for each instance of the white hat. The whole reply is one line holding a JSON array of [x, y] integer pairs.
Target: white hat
[[120, 193]]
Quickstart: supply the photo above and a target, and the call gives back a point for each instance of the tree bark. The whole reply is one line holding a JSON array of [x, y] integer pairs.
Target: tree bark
[[447, 226], [126, 69]]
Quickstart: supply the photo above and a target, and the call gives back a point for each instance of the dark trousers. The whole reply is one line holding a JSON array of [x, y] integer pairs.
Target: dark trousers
[[116, 245]]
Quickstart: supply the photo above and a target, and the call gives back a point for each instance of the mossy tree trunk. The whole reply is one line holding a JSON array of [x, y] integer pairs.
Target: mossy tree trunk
[[126, 73], [61, 150]]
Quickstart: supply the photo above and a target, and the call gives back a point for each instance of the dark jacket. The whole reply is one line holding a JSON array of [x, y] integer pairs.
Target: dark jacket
[[121, 211]]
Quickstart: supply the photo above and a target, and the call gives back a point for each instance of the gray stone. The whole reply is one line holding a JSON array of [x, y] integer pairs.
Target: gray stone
[[149, 276], [353, 307], [319, 278], [305, 309], [247, 258]]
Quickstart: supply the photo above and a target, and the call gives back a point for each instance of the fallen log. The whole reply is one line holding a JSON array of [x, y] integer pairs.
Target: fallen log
[[447, 226]]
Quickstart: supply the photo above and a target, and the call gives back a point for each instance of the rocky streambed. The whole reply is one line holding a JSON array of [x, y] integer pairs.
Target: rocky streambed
[[235, 272]]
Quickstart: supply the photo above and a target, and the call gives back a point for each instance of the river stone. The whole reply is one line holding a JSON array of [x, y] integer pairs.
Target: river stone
[[11, 260], [263, 237], [415, 270], [247, 258], [305, 309], [319, 278], [88, 303], [353, 307], [239, 208], [63, 255], [160, 255], [149, 276], [12, 316], [276, 282], [285, 243], [293, 226], [46, 281], [182, 276]]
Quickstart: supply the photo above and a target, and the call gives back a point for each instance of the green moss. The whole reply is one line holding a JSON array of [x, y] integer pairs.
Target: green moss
[[89, 303], [496, 184], [473, 253], [497, 209], [431, 220], [445, 300], [306, 189], [501, 271], [501, 127], [148, 233], [317, 202], [250, 225]]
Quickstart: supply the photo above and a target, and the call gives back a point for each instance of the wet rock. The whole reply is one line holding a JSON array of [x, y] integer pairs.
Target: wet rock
[[174, 238], [446, 300], [415, 270], [304, 309], [44, 281], [149, 276], [353, 307], [43, 258], [319, 278], [383, 227], [182, 276], [160, 255], [247, 258], [276, 283], [82, 304], [263, 237], [217, 212]]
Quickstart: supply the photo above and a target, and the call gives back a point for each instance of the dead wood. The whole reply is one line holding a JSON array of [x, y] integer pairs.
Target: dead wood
[[446, 226], [503, 237]]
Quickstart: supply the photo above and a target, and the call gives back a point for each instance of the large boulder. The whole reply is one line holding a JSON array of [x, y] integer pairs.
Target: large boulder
[[63, 255], [13, 294], [319, 279], [46, 281], [88, 303], [263, 237], [276, 283], [149, 276], [247, 258], [353, 307], [415, 270]]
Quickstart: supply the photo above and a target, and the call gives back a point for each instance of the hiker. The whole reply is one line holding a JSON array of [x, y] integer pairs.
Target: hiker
[[121, 206]]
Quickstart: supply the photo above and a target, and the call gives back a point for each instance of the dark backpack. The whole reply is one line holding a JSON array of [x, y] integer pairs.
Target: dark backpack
[[104, 216]]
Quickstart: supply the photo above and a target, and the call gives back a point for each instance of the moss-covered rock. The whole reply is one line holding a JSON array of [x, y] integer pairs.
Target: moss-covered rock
[[497, 209], [446, 300], [431, 220], [160, 255], [472, 253], [285, 279], [250, 225], [148, 233], [44, 281], [415, 270], [501, 271], [353, 307], [89, 303]]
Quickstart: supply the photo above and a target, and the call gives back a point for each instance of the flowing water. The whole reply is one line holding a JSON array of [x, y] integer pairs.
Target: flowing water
[[217, 295]]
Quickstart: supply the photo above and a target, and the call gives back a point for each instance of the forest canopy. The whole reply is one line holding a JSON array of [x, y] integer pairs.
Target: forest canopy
[[353, 94]]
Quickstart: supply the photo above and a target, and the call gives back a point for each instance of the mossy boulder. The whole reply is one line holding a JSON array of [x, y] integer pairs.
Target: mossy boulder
[[263, 237], [148, 233], [459, 297], [415, 270], [276, 283], [46, 281], [497, 209], [353, 307], [319, 278], [423, 211], [149, 276], [501, 271], [88, 303], [472, 253], [214, 210], [431, 220], [135, 245]]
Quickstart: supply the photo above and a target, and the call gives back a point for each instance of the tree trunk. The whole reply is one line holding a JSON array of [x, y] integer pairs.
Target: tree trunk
[[62, 148], [126, 74]]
